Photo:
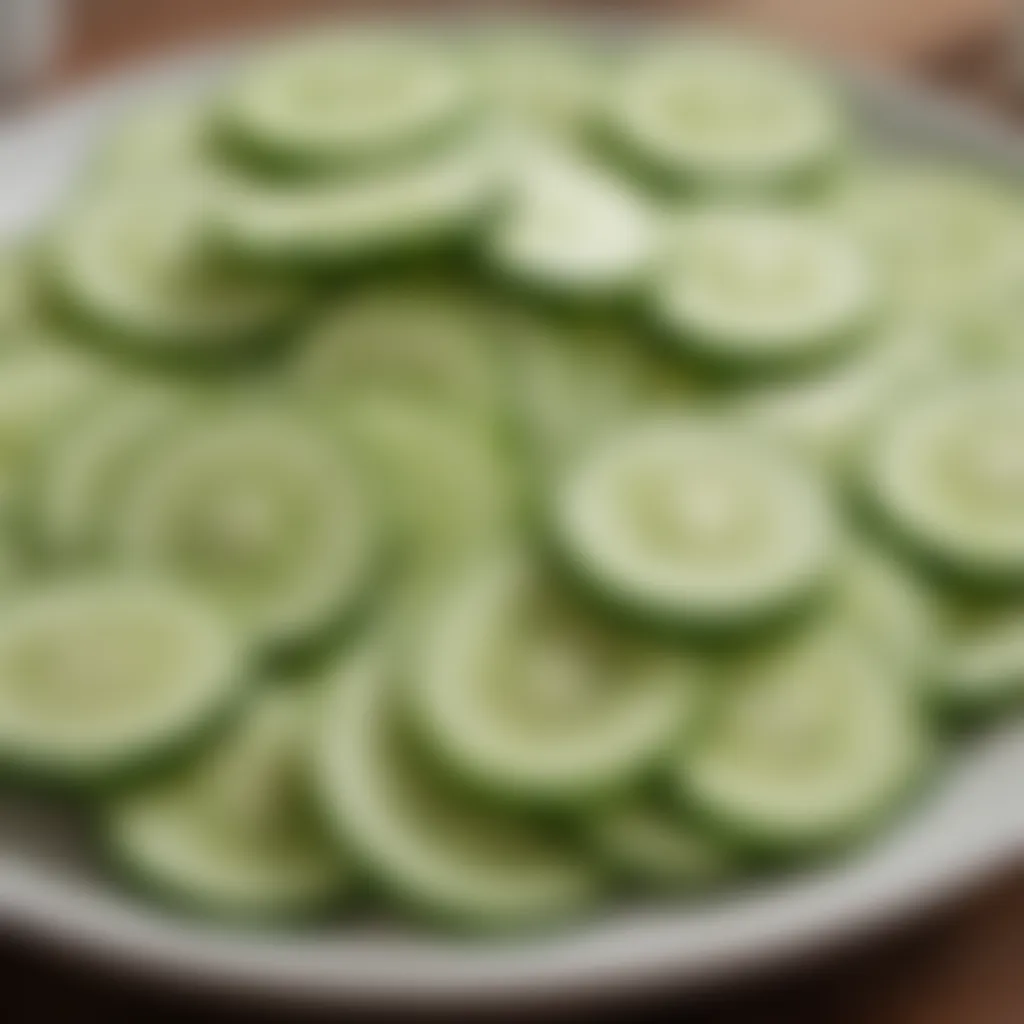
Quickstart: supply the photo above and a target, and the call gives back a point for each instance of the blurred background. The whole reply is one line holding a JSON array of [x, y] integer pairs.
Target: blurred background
[[963, 966]]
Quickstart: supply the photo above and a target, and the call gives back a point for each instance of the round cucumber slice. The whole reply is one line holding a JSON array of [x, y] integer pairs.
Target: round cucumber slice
[[753, 288], [231, 833], [40, 391], [137, 271], [260, 512], [80, 475], [657, 845], [980, 667], [414, 337], [684, 521], [946, 473], [539, 80], [809, 744], [100, 676], [430, 844], [349, 100], [569, 228], [448, 483], [723, 116], [341, 223], [153, 143], [522, 694], [949, 240]]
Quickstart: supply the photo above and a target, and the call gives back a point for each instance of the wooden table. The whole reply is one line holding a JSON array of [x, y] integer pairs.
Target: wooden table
[[964, 965]]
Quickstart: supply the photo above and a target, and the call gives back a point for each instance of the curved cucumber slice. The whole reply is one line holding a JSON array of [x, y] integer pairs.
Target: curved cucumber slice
[[450, 487], [756, 288], [947, 473], [99, 676], [539, 80], [80, 475], [153, 143], [344, 101], [525, 696], [685, 522], [417, 337], [137, 270], [980, 666], [429, 843], [948, 240], [333, 223], [809, 744], [569, 228], [260, 512], [231, 833], [39, 391], [658, 845], [724, 116]]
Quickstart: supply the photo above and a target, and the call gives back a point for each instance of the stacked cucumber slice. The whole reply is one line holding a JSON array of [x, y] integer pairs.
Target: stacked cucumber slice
[[479, 478]]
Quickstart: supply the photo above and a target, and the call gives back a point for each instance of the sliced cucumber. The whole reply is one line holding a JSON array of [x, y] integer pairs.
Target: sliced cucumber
[[450, 486], [340, 101], [716, 115], [424, 338], [539, 80], [811, 742], [81, 473], [980, 665], [683, 521], [100, 676], [40, 391], [232, 833], [950, 241], [430, 844], [946, 472], [521, 693], [153, 143], [138, 273], [338, 224], [826, 416], [658, 845], [262, 513], [750, 288], [570, 228]]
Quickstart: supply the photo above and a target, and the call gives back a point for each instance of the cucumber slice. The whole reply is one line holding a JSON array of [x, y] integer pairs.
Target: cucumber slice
[[345, 101], [571, 229], [101, 676], [138, 273], [523, 695], [825, 417], [428, 843], [657, 845], [231, 833], [336, 224], [811, 742], [414, 337], [40, 391], [722, 116], [980, 667], [446, 479], [260, 512], [949, 240], [946, 473], [539, 80], [153, 143], [683, 521], [80, 475], [886, 609], [749, 288]]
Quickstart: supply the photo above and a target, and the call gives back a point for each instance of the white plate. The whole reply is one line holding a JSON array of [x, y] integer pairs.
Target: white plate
[[973, 824]]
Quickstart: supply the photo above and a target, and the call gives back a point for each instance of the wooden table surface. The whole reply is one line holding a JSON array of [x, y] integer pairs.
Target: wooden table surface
[[963, 965]]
